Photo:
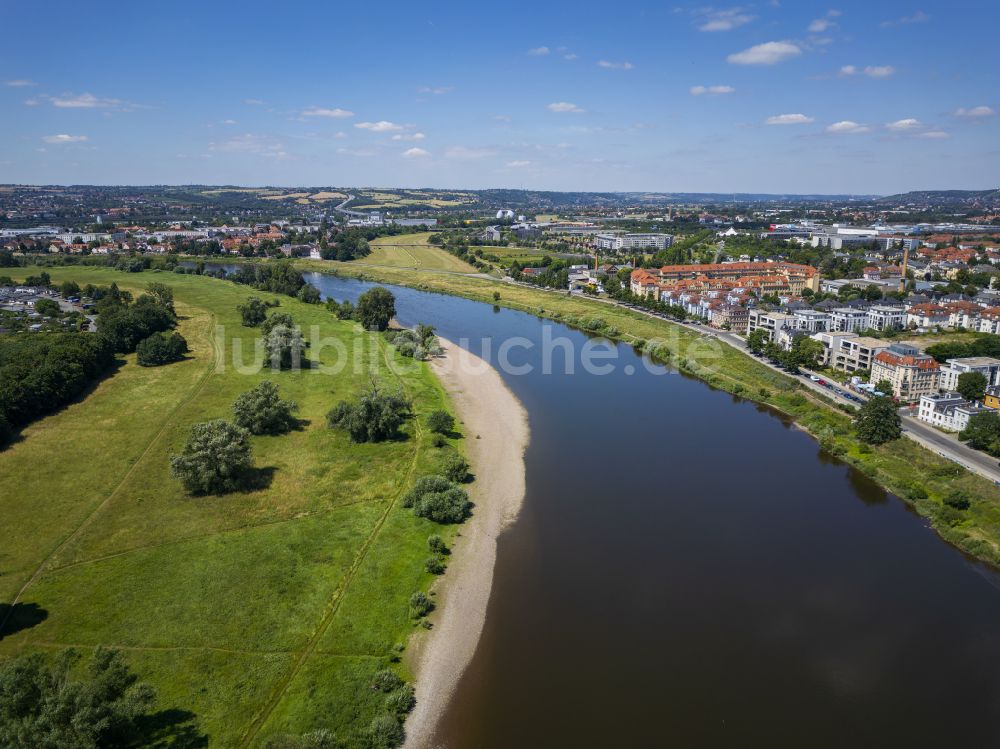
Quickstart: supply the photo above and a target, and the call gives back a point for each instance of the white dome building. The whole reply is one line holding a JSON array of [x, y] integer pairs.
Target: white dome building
[[505, 214]]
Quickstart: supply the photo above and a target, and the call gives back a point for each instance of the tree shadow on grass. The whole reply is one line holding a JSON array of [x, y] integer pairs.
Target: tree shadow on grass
[[20, 616], [174, 728], [258, 479]]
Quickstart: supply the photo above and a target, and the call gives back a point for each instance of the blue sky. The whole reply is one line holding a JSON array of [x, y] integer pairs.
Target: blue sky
[[862, 97]]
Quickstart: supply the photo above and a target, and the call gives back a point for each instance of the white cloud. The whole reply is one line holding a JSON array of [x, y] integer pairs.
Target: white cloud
[[259, 145], [711, 90], [820, 25], [409, 136], [437, 91], [254, 102], [790, 119], [464, 153], [848, 70], [415, 153], [570, 56], [847, 127], [768, 53], [974, 112], [918, 17], [518, 163], [539, 51], [935, 135], [363, 153], [879, 71], [57, 139], [724, 20], [336, 113], [83, 101], [614, 65], [564, 106], [903, 125], [502, 117], [382, 126], [229, 122], [19, 83]]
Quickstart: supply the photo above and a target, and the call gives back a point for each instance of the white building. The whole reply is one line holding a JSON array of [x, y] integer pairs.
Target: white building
[[848, 319], [953, 368], [811, 320], [618, 242], [882, 317], [772, 322], [948, 411]]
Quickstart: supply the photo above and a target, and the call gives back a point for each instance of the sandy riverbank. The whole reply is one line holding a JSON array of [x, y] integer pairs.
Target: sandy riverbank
[[487, 408]]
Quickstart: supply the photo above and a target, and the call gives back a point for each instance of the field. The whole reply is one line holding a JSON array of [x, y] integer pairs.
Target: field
[[913, 473], [252, 614], [412, 251]]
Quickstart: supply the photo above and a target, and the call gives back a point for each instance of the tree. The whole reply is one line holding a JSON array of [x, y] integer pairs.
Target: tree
[[309, 294], [438, 499], [69, 288], [263, 411], [878, 422], [456, 468], [983, 432], [48, 706], [216, 459], [284, 346], [253, 312], [884, 387], [374, 417], [440, 421], [273, 321], [162, 294], [757, 340], [972, 385], [376, 308], [47, 307], [807, 352], [161, 348]]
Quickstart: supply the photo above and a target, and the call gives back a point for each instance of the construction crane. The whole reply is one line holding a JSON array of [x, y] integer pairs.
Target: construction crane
[[906, 260]]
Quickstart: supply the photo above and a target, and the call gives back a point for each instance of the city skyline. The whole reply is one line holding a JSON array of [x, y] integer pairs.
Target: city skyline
[[842, 98]]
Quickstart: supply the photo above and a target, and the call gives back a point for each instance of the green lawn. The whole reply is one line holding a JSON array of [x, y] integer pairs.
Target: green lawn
[[412, 251], [261, 612]]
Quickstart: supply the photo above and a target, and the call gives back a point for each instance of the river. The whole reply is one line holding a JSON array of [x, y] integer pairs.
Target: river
[[691, 570]]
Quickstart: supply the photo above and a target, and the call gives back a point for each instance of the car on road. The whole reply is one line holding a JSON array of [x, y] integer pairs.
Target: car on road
[[814, 378]]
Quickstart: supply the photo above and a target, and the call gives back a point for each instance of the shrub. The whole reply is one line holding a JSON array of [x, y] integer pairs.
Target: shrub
[[216, 458], [440, 421], [161, 348], [386, 680], [374, 417], [274, 320], [456, 468], [263, 411], [309, 294], [436, 498], [284, 346], [321, 739], [438, 440], [915, 491], [434, 565], [385, 732], [253, 312], [420, 604], [436, 544], [400, 701], [957, 499]]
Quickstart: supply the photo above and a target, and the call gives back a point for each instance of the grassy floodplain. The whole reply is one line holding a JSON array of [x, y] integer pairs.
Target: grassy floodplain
[[910, 471], [262, 612], [412, 251]]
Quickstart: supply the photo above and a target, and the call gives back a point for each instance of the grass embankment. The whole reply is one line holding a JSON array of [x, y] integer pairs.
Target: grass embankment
[[261, 612], [907, 469], [412, 251]]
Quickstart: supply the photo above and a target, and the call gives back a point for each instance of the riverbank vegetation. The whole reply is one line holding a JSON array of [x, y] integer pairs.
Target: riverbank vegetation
[[921, 478], [265, 611]]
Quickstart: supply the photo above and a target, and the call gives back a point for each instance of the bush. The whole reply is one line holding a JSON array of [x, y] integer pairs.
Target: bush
[[438, 441], [309, 294], [253, 312], [263, 411], [436, 544], [401, 701], [456, 468], [321, 739], [957, 499], [385, 732], [284, 346], [434, 565], [216, 459], [440, 421], [420, 604], [374, 417], [386, 680], [161, 348], [436, 498]]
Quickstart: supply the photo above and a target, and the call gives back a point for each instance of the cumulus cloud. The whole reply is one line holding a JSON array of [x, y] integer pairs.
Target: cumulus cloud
[[847, 127], [564, 106], [336, 113], [382, 126], [415, 153], [539, 51], [903, 125], [19, 83], [823, 24], [724, 20], [769, 53], [83, 101], [58, 139], [974, 112], [409, 136], [614, 65], [790, 119], [711, 90]]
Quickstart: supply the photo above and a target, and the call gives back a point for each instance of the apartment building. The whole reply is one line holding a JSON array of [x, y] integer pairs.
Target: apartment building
[[831, 344], [848, 319], [948, 411], [883, 317], [857, 353], [953, 368], [928, 316], [619, 242], [911, 373], [772, 322], [812, 321]]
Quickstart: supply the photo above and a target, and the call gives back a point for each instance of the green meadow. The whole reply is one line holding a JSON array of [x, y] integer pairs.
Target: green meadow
[[252, 614]]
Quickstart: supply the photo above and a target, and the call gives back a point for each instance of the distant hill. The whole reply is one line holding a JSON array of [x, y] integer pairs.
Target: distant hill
[[955, 198]]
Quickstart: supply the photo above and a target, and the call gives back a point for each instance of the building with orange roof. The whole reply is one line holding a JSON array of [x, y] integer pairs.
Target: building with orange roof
[[911, 373]]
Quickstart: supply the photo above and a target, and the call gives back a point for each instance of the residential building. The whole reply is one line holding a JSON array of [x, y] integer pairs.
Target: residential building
[[831, 344], [927, 316], [811, 320], [992, 397], [953, 368], [948, 411], [619, 242], [848, 319], [911, 373], [857, 353], [772, 322], [730, 317], [797, 277], [884, 317]]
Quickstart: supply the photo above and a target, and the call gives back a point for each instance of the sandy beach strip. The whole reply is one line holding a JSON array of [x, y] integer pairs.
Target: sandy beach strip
[[488, 410]]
